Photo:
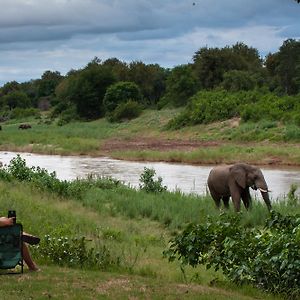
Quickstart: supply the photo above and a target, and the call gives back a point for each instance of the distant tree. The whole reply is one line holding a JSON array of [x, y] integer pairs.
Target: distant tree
[[150, 79], [86, 89], [120, 69], [284, 66], [288, 68], [121, 92], [10, 87], [16, 99], [31, 89], [248, 57], [236, 80], [48, 83], [210, 64], [181, 84]]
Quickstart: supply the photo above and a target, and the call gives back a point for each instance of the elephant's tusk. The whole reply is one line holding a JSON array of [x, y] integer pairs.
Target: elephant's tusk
[[264, 191]]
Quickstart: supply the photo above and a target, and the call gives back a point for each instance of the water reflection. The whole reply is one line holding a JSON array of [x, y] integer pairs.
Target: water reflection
[[187, 178]]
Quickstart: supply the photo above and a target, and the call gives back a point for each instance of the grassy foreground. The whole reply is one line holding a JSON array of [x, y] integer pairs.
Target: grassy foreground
[[262, 143], [115, 219]]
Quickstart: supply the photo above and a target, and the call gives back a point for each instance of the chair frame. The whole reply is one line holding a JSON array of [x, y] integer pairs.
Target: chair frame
[[7, 230]]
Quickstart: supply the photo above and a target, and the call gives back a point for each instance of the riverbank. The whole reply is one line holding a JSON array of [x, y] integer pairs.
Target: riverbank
[[146, 139]]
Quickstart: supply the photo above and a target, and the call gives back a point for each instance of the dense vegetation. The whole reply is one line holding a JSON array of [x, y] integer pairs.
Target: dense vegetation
[[268, 258], [247, 253], [219, 83]]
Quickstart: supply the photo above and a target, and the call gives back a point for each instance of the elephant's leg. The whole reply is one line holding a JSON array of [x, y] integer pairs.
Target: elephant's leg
[[226, 201], [236, 198], [216, 197], [246, 198]]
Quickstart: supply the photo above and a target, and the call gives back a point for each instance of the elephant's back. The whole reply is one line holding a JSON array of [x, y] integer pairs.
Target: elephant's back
[[218, 177]]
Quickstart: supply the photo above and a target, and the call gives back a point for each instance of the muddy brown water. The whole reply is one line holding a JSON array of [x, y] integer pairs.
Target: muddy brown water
[[186, 178]]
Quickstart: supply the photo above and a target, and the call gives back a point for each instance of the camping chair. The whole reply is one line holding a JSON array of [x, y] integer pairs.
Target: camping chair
[[11, 253]]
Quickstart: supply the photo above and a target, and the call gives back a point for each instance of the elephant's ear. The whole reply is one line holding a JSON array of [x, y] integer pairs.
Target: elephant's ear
[[239, 175]]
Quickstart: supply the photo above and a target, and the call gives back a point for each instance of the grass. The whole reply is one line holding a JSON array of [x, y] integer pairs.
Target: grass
[[116, 218], [264, 142]]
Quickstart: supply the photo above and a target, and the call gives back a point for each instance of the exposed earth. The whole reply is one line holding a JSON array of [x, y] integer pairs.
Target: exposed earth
[[154, 144]]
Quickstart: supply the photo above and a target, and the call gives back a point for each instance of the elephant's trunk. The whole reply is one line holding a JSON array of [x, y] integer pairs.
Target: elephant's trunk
[[263, 187], [266, 198]]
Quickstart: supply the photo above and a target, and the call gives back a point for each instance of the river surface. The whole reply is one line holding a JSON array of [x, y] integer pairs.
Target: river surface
[[187, 178]]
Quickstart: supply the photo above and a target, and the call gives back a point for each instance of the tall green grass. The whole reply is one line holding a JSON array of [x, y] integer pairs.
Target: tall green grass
[[132, 227]]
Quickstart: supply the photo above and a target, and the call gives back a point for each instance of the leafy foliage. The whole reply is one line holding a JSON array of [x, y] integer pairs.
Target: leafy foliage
[[121, 92], [41, 179], [74, 252], [218, 105], [149, 184], [125, 111], [210, 64], [268, 258], [180, 86], [16, 99]]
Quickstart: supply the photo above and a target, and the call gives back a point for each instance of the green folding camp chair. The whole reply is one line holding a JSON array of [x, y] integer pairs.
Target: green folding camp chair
[[11, 254]]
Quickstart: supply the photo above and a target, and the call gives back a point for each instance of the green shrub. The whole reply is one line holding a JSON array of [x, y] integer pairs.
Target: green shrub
[[218, 105], [121, 92], [292, 133], [268, 258], [125, 111], [149, 184], [236, 80], [43, 180], [74, 252], [68, 115], [19, 113]]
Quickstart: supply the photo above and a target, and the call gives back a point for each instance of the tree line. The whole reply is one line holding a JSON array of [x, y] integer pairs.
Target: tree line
[[120, 90]]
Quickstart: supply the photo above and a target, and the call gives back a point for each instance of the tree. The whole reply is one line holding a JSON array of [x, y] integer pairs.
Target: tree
[[48, 83], [120, 69], [238, 80], [284, 66], [210, 64], [288, 68], [10, 87], [181, 84], [150, 79], [16, 99], [86, 89], [121, 92]]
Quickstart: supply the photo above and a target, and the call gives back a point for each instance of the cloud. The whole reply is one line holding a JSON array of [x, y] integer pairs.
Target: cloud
[[37, 35]]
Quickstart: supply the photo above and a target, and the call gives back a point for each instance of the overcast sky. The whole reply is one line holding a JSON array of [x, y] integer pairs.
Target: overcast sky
[[58, 35]]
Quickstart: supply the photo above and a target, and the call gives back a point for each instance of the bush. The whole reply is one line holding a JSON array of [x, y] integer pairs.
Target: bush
[[267, 258], [19, 113], [236, 80], [121, 92], [125, 111], [208, 106], [73, 252], [68, 115], [41, 179], [292, 133], [148, 183]]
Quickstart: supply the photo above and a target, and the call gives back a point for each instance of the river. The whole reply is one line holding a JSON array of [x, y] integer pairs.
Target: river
[[187, 178]]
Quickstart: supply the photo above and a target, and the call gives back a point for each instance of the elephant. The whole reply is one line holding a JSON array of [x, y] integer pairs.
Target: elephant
[[234, 181], [24, 126]]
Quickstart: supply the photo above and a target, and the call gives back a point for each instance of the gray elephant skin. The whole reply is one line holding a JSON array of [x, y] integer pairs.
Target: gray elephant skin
[[234, 181]]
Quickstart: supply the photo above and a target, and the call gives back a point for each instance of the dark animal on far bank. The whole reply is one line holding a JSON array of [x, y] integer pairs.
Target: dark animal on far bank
[[24, 126]]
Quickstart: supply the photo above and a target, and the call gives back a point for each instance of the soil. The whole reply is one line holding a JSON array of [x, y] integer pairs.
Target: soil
[[154, 144]]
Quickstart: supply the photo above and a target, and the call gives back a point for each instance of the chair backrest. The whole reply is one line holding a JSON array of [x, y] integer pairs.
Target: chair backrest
[[11, 247]]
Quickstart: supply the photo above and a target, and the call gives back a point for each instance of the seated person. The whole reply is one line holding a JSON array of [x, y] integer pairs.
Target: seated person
[[27, 238]]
